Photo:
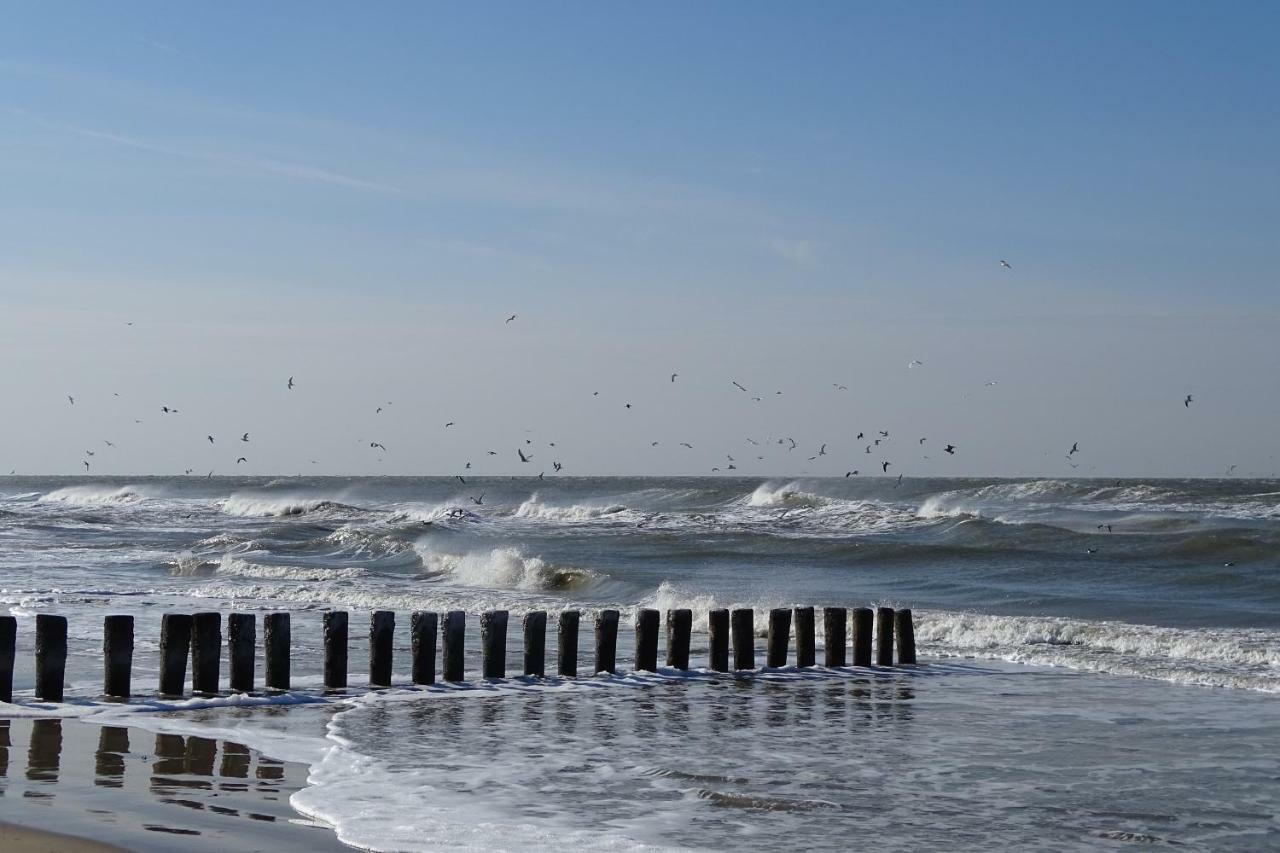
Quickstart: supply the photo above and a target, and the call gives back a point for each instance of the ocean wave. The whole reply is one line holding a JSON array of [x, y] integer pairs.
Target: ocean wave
[[1218, 657], [94, 495], [504, 568], [238, 567], [789, 495], [272, 507], [534, 508]]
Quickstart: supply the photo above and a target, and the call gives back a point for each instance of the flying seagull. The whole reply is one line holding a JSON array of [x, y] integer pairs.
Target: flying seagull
[[290, 383], [950, 448], [851, 473], [686, 444], [1075, 448], [210, 438], [509, 319], [241, 459], [915, 362], [1187, 402], [1005, 264], [72, 399], [460, 480], [523, 458], [449, 424], [478, 501], [377, 445], [884, 467], [244, 437], [739, 387], [673, 376]]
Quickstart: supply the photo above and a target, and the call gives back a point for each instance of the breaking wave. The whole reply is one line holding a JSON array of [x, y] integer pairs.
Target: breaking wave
[[94, 495], [505, 568], [535, 508], [271, 507]]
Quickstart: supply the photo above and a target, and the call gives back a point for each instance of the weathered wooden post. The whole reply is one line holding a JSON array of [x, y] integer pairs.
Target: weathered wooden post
[[779, 636], [277, 640], [805, 642], [452, 638], [718, 627], [206, 648], [493, 643], [679, 628], [8, 651], [117, 656], [647, 625], [743, 621], [423, 626], [175, 642], [535, 643], [567, 643], [242, 646], [607, 641], [863, 617], [51, 656], [382, 629], [884, 636], [906, 634], [834, 620], [336, 624]]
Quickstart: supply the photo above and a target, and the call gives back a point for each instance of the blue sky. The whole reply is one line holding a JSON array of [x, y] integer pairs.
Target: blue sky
[[795, 197]]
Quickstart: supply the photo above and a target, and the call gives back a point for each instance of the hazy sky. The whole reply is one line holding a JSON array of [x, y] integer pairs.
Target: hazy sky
[[790, 196]]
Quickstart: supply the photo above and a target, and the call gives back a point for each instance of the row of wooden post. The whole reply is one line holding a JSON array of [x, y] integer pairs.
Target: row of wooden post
[[199, 637]]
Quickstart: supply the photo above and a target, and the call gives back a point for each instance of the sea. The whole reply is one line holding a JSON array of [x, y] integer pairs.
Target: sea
[[1100, 659]]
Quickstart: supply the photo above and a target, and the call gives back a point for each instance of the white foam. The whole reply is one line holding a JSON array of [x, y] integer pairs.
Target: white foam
[[502, 568], [237, 567], [534, 508], [257, 506], [94, 495]]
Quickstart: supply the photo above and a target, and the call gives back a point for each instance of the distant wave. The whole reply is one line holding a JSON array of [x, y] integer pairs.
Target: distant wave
[[535, 508], [94, 495], [789, 495], [237, 567], [270, 507]]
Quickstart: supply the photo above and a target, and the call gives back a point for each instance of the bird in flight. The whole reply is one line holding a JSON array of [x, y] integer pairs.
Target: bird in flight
[[628, 405], [86, 466], [884, 467], [922, 441], [210, 438], [557, 466], [509, 319], [108, 443], [449, 424], [950, 448], [915, 362], [884, 433], [241, 459], [1075, 448], [1005, 264], [822, 451], [851, 473], [523, 458], [290, 383], [1187, 402], [738, 386], [673, 376], [168, 411], [377, 445], [459, 479], [478, 501], [686, 444], [839, 387], [71, 399], [244, 437]]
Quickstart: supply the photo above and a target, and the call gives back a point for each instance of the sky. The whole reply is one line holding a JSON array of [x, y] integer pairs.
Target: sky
[[197, 204]]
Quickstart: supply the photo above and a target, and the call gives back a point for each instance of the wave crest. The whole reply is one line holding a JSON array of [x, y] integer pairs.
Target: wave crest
[[504, 568], [94, 495]]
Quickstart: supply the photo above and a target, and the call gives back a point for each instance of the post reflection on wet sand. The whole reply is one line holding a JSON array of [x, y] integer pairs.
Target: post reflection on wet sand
[[94, 791]]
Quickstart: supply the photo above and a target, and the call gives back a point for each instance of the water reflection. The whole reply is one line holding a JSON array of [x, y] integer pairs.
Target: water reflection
[[108, 767]]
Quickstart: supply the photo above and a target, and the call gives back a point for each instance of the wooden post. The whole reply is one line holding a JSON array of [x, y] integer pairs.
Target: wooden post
[[718, 626], [607, 641], [906, 636], [277, 640], [423, 626], [242, 647], [335, 649], [175, 641], [567, 643], [535, 643], [51, 656], [834, 620], [382, 629], [805, 643], [493, 643], [743, 622], [206, 648], [8, 650], [779, 636], [647, 625], [452, 638], [679, 627], [862, 621], [884, 636], [117, 655]]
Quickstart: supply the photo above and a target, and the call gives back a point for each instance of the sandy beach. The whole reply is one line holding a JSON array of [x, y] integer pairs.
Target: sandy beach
[[112, 788]]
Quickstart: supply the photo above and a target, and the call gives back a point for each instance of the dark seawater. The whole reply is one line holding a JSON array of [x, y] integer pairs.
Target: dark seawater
[[1146, 591]]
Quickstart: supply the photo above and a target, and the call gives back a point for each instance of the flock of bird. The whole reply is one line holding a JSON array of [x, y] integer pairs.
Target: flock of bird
[[525, 455]]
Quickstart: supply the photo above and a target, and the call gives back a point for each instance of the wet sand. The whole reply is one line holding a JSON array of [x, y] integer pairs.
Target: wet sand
[[142, 791]]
